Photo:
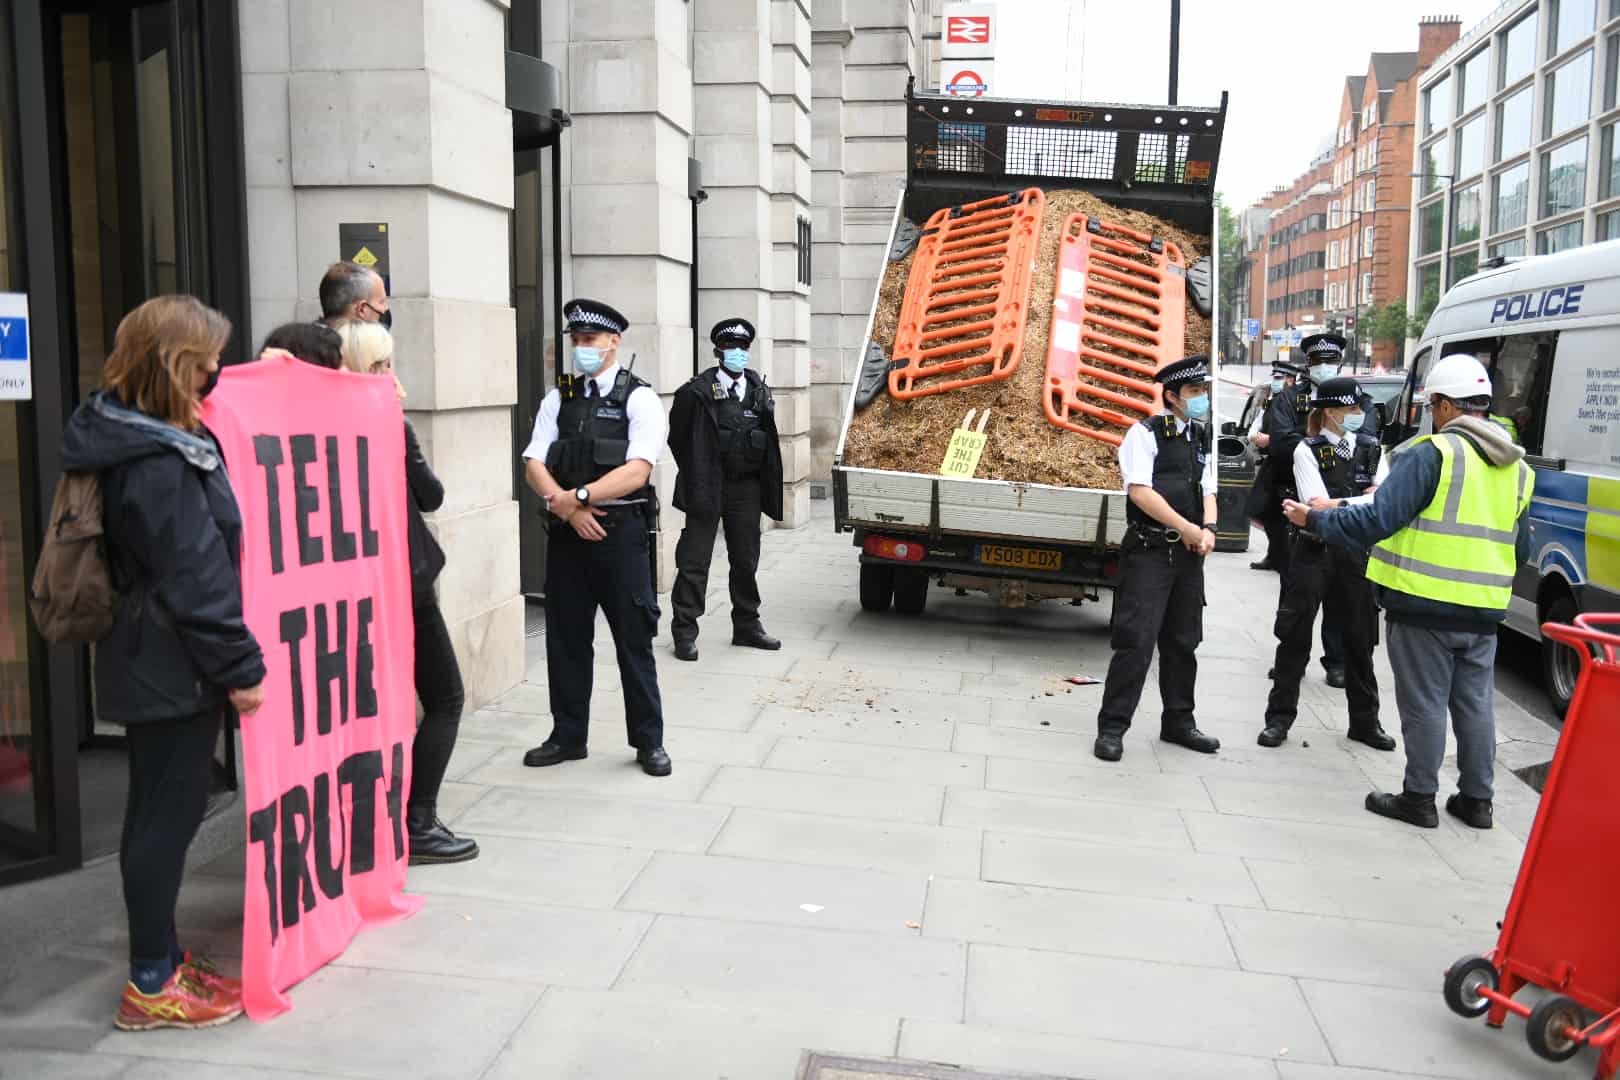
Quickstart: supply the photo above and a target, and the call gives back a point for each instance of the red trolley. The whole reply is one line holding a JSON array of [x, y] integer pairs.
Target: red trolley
[[1562, 930]]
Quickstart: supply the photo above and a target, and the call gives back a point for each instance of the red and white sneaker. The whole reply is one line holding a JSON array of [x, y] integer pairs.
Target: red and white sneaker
[[205, 972], [182, 1002]]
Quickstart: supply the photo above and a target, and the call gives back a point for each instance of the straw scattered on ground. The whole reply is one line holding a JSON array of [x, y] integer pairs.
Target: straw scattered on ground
[[911, 436]]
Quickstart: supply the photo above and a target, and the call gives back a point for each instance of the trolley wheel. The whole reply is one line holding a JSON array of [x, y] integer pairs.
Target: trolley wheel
[[1553, 1028], [911, 591], [877, 586], [1464, 981]]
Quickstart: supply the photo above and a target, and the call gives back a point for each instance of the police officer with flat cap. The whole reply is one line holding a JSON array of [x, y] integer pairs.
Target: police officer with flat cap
[[722, 431], [1169, 476], [596, 440], [1265, 501]]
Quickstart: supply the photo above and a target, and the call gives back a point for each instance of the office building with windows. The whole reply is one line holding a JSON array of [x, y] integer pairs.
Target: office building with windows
[[1516, 151], [1291, 268]]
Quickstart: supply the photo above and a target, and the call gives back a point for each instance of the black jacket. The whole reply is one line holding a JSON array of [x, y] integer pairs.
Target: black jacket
[[174, 536], [694, 439], [426, 496]]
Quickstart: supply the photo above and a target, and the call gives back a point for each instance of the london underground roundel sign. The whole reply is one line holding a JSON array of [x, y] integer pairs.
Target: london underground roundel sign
[[967, 83]]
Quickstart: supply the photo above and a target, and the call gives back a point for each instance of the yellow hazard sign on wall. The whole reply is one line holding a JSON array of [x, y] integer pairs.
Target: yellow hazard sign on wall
[[366, 244]]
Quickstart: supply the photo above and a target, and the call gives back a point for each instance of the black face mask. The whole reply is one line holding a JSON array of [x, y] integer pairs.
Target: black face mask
[[386, 317], [208, 387]]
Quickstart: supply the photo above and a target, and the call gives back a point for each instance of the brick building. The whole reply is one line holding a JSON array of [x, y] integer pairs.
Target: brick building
[[1292, 268]]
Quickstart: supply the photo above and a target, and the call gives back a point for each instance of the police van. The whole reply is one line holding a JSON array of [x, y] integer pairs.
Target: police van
[[1548, 330]]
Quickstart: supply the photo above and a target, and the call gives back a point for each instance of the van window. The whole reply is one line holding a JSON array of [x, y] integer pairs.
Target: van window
[[1521, 380], [1406, 416]]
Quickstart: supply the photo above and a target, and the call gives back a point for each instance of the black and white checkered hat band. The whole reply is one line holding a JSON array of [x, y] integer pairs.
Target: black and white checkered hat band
[[1325, 350], [594, 318], [734, 330], [1192, 374], [1336, 399]]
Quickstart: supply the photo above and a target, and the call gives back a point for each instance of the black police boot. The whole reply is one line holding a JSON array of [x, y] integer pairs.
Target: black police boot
[[1475, 813], [1335, 677], [1192, 739], [431, 842], [549, 753], [1274, 735], [755, 638], [1374, 736], [654, 762], [1413, 809], [1109, 747], [685, 649]]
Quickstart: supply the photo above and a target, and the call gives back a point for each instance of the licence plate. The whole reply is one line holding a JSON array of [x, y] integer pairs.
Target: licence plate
[[1020, 558]]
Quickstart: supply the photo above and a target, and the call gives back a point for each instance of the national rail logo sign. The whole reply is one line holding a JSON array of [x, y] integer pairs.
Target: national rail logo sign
[[968, 30]]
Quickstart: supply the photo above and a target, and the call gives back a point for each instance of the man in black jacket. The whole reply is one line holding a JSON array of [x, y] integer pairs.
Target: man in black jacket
[[722, 431]]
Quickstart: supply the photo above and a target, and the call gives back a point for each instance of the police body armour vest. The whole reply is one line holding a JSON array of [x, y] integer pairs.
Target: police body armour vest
[[593, 433], [1178, 470], [743, 438], [1345, 478]]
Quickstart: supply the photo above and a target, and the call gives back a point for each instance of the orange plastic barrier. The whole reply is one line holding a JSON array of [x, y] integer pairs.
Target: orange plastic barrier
[[967, 299], [1119, 315]]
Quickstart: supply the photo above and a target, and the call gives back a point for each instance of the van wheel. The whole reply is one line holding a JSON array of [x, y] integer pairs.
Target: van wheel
[[911, 591], [877, 587], [1560, 664]]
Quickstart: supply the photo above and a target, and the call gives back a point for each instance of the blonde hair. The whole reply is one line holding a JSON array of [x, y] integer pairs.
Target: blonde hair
[[157, 352], [365, 344]]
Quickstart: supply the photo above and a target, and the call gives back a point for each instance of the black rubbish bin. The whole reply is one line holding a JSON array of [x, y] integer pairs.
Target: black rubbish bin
[[1236, 465]]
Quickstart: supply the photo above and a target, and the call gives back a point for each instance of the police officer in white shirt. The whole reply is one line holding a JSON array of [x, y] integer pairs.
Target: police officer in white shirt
[[596, 440], [1336, 464], [1169, 476]]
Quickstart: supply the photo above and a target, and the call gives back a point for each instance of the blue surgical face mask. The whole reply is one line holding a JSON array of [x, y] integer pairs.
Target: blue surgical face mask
[[1323, 372], [1278, 385], [735, 360], [587, 360], [1198, 407], [1352, 423]]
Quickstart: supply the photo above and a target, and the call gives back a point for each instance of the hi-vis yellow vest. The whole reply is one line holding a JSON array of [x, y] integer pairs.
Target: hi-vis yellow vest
[[1460, 549]]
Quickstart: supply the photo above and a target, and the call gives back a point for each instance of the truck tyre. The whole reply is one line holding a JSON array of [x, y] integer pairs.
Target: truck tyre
[[1560, 664], [877, 586], [910, 591]]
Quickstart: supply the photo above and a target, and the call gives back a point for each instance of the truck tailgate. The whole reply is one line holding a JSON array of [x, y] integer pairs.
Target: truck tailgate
[[878, 499]]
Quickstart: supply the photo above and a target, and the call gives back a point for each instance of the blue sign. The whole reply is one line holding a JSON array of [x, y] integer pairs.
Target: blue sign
[[14, 339], [1251, 328], [16, 371]]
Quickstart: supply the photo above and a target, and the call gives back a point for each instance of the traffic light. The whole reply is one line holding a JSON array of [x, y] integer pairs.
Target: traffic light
[[1333, 325]]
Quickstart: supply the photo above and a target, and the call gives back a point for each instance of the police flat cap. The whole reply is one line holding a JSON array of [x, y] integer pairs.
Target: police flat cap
[[1287, 368], [593, 317], [1336, 393], [1194, 369], [1326, 347], [734, 333]]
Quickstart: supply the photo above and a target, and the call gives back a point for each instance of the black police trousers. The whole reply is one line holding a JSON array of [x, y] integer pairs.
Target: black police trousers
[[1159, 603], [1324, 577], [740, 510], [613, 574]]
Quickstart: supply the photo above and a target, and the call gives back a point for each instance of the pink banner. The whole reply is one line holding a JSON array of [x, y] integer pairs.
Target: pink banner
[[317, 461]]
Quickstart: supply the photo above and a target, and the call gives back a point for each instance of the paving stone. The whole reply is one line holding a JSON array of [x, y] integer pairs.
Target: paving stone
[[18, 1064], [490, 939], [910, 765], [537, 871], [418, 1013], [1105, 868], [861, 657], [1398, 845], [1433, 897], [1485, 856], [1330, 802], [1069, 1055], [1345, 950], [1292, 763], [66, 1004], [468, 755], [773, 789], [584, 819], [506, 727], [1037, 745], [1113, 823], [916, 704], [794, 967], [1235, 1012], [611, 772], [1097, 781], [839, 841], [881, 727], [583, 1035], [1060, 920], [752, 890], [874, 674], [1299, 1070]]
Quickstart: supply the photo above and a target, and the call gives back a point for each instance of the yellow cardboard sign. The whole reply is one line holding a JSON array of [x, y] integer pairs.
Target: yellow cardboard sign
[[967, 444], [365, 258]]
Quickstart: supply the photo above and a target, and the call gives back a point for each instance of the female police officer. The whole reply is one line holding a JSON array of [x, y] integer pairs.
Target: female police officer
[[1335, 464]]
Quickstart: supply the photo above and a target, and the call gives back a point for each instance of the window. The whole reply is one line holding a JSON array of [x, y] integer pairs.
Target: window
[[1436, 106], [1431, 220], [1507, 249], [1608, 225], [1428, 289], [1333, 214], [1563, 178], [1474, 83], [1470, 147], [1464, 264], [1465, 215], [1569, 95], [1513, 124], [1608, 165], [1367, 241], [1571, 20], [805, 247], [1518, 52], [1369, 195], [1558, 238], [1366, 286], [1435, 158], [1521, 379], [1611, 68], [1510, 198]]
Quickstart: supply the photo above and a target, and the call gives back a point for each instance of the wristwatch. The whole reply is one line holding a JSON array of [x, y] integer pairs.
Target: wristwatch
[[583, 495], [1211, 527]]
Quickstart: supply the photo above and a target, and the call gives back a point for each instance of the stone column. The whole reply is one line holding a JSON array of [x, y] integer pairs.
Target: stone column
[[790, 204], [830, 37], [424, 144]]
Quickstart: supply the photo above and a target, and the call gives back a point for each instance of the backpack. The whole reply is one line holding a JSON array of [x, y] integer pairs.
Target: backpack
[[73, 598]]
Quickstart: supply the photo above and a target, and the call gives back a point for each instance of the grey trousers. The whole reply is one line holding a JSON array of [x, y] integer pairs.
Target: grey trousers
[[1437, 670]]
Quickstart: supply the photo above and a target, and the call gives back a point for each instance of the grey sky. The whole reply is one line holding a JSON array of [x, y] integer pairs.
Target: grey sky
[[1284, 62]]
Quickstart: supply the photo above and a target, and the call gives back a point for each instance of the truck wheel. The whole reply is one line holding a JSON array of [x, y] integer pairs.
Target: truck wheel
[[877, 586], [1553, 1029], [1560, 664], [911, 591]]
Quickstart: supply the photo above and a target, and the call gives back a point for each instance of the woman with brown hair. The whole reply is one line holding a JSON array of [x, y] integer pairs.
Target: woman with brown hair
[[179, 651]]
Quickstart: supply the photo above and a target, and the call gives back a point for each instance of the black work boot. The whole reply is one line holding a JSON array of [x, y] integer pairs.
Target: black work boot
[[1272, 736], [1413, 809], [1109, 747], [1192, 739], [1372, 735], [685, 649], [432, 842], [1475, 813]]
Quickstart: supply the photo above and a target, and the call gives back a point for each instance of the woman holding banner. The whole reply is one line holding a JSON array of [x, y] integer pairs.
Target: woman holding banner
[[368, 348], [179, 649]]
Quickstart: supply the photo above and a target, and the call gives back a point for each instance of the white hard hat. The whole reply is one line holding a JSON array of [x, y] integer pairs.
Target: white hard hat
[[1458, 377]]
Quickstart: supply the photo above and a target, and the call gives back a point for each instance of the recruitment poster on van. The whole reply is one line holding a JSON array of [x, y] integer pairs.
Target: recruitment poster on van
[[16, 363]]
